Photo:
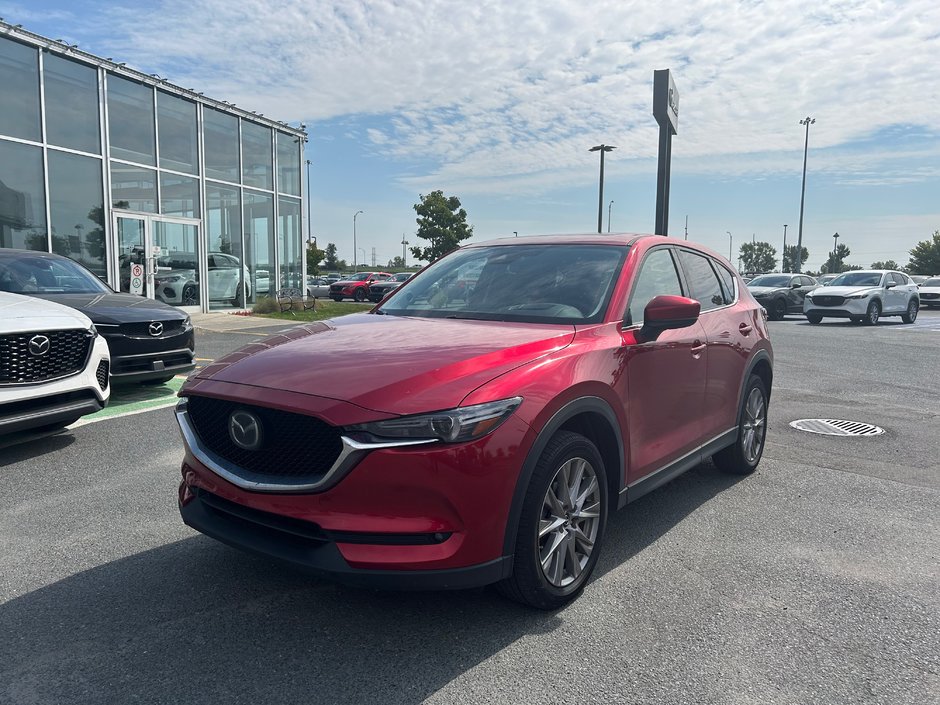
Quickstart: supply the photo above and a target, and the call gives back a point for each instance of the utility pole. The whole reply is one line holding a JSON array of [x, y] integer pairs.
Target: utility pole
[[355, 251], [687, 227], [608, 215], [404, 244], [602, 148], [783, 259]]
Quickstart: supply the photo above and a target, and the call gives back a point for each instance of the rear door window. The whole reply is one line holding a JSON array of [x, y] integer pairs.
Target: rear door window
[[706, 289]]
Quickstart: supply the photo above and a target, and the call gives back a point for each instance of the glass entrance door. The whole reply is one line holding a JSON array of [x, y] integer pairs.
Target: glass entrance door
[[159, 258]]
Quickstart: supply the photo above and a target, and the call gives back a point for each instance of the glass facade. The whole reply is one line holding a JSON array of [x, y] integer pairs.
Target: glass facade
[[111, 167]]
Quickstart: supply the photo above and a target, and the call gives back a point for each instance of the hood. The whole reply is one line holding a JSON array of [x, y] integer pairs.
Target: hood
[[25, 313], [112, 308], [764, 290], [843, 290], [389, 364]]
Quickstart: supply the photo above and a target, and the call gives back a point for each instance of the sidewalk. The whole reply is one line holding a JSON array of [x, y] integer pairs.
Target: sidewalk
[[221, 322]]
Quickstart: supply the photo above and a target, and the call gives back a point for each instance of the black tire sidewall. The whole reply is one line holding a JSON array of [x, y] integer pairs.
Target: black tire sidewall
[[528, 574]]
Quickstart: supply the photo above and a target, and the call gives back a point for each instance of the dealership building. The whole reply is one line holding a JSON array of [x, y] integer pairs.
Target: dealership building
[[127, 173]]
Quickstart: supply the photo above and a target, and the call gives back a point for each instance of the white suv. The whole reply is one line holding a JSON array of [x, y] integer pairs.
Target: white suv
[[53, 365], [864, 296]]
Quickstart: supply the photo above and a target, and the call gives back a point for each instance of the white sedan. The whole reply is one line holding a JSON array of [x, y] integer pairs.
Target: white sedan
[[53, 365], [863, 297]]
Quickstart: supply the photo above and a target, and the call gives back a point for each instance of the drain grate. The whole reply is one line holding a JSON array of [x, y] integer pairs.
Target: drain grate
[[837, 427]]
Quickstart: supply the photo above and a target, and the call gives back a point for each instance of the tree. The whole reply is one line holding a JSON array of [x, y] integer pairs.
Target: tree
[[890, 264], [836, 262], [396, 263], [314, 256], [442, 222], [789, 258], [758, 257], [925, 257], [329, 254]]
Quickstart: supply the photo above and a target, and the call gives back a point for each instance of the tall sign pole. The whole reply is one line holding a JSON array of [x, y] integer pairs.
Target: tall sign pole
[[666, 112], [799, 238]]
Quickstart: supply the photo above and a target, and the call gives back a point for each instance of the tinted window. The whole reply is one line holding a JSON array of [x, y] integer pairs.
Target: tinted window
[[256, 156], [77, 204], [657, 277], [899, 278], [44, 275], [770, 280], [807, 281], [702, 280], [133, 188], [22, 197], [221, 136], [179, 195], [727, 283], [19, 79], [857, 279], [130, 120], [177, 126], [71, 104], [288, 164]]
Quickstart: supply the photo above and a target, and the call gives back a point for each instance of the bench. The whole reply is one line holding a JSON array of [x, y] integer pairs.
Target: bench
[[286, 298]]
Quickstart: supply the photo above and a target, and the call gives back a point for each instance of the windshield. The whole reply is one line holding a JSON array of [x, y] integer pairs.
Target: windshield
[[402, 277], [544, 283], [857, 279], [361, 277], [932, 282], [770, 280], [25, 274]]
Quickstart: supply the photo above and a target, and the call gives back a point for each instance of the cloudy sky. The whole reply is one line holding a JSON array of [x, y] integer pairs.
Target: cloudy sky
[[498, 103]]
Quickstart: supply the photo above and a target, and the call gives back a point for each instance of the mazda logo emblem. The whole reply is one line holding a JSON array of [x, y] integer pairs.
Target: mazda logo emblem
[[39, 345], [244, 428], [156, 328]]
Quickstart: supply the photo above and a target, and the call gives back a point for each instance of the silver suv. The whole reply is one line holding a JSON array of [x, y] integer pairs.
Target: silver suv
[[863, 297]]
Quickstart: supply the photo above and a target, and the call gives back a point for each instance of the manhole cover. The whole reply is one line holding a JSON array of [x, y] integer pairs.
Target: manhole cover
[[837, 427]]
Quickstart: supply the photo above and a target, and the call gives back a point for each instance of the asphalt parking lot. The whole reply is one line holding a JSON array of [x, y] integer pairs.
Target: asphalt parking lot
[[815, 580]]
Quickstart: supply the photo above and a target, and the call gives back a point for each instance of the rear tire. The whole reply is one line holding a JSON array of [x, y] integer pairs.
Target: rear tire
[[561, 527], [911, 314], [743, 456]]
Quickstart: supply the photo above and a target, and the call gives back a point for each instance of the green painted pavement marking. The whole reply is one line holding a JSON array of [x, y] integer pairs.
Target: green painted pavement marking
[[135, 399]]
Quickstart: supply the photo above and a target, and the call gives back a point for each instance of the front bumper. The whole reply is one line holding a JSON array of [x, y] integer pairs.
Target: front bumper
[[849, 308], [138, 358], [428, 517]]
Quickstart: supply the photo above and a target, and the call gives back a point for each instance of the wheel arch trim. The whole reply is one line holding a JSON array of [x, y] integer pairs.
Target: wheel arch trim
[[588, 404]]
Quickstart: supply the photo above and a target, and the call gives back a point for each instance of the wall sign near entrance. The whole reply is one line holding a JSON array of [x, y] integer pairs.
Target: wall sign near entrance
[[137, 279]]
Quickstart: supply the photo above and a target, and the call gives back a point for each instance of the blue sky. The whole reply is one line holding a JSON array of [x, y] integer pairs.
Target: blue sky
[[498, 103]]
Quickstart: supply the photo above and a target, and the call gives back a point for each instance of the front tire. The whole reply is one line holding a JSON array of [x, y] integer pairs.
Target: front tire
[[359, 295], [873, 313], [743, 456], [911, 314], [779, 310], [813, 318], [561, 527]]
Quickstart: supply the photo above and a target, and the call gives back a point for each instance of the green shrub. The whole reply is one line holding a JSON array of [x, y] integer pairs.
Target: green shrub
[[265, 305]]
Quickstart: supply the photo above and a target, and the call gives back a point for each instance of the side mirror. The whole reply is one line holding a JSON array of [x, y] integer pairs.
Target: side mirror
[[891, 285], [668, 313], [795, 285]]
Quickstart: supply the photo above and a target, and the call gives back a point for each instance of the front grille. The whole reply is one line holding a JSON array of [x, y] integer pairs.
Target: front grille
[[930, 296], [64, 355], [101, 374], [828, 300], [293, 445], [379, 290], [336, 288], [141, 329]]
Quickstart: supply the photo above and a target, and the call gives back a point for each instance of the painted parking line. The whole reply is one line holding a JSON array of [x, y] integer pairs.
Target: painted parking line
[[126, 401]]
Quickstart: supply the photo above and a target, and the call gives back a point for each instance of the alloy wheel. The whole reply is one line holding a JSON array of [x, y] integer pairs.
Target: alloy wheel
[[571, 518], [753, 426], [873, 313]]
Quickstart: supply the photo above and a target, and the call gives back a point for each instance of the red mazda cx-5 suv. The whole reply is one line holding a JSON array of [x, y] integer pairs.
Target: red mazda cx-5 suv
[[483, 431]]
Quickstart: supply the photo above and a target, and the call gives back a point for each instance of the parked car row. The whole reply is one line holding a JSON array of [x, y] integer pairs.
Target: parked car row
[[66, 337], [862, 296]]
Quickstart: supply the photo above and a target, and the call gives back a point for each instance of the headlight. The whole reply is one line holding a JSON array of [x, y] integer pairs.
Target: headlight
[[467, 423], [859, 296]]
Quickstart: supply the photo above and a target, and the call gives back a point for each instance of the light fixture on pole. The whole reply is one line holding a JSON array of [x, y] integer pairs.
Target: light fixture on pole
[[516, 233], [835, 247], [608, 215], [799, 240], [404, 243], [602, 148], [355, 251], [783, 259], [730, 241]]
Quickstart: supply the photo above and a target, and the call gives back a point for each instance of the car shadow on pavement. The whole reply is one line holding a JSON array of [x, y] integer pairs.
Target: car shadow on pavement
[[30, 445], [195, 621]]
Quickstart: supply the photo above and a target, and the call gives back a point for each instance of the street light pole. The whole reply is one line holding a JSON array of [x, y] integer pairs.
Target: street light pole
[[602, 148], [783, 259], [799, 240], [730, 240], [608, 215], [835, 246], [355, 251], [404, 243]]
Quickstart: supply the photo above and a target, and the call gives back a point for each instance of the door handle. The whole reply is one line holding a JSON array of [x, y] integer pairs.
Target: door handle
[[697, 347], [745, 328]]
